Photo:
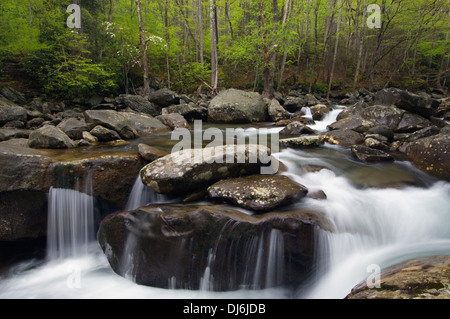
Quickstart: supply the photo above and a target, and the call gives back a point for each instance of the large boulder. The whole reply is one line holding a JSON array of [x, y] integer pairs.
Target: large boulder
[[432, 155], [343, 137], [112, 120], [10, 111], [276, 111], [210, 247], [258, 192], [49, 136], [193, 169], [237, 106], [389, 116], [405, 100], [23, 215], [420, 278], [164, 97], [140, 104], [145, 124], [13, 95], [74, 128], [173, 120], [190, 111], [370, 155]]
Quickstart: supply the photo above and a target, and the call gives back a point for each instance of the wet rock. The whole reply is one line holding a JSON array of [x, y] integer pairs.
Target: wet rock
[[164, 97], [89, 138], [150, 153], [74, 128], [258, 192], [8, 133], [49, 136], [13, 95], [405, 100], [319, 111], [112, 120], [10, 111], [145, 124], [354, 110], [382, 130], [276, 111], [370, 155], [173, 120], [421, 278], [23, 215], [356, 124], [303, 141], [140, 104], [103, 134], [190, 111], [236, 106], [193, 169], [432, 155], [294, 104], [343, 137], [296, 128], [412, 122], [318, 195], [214, 247], [389, 116]]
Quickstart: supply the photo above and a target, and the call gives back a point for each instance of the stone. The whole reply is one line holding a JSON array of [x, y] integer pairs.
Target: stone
[[174, 245], [89, 138], [370, 155], [164, 97], [356, 124], [49, 136], [140, 104], [237, 106], [412, 122], [414, 103], [194, 169], [150, 153], [74, 128], [13, 95], [190, 111], [145, 124], [104, 134], [9, 133], [420, 278], [303, 141], [276, 111], [389, 116], [258, 192], [23, 215], [343, 137], [10, 111], [173, 121], [431, 154], [111, 120], [296, 128]]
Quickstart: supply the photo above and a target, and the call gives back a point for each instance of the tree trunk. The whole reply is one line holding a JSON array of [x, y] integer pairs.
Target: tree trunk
[[200, 29], [214, 54], [335, 51], [144, 45], [361, 46], [286, 43], [268, 67]]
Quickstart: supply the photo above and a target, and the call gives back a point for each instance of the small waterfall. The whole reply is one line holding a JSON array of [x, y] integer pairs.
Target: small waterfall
[[70, 223], [142, 195], [254, 262]]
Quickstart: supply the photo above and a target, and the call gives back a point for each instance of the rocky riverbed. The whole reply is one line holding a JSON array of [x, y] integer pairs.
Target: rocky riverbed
[[104, 142]]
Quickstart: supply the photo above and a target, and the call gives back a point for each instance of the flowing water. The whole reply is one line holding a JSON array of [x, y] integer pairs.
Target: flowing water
[[380, 215]]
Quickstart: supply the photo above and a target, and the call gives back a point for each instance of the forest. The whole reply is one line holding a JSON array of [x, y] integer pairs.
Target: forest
[[131, 46]]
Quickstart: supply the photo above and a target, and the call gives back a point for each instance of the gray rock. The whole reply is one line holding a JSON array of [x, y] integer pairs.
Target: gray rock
[[370, 155], [343, 137], [277, 112], [13, 95], [150, 153], [49, 136], [236, 106], [296, 128], [73, 127], [173, 120], [140, 104], [258, 192], [104, 134], [145, 124], [405, 100], [303, 141], [112, 120], [164, 97], [190, 111], [172, 246], [10, 111], [193, 169]]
